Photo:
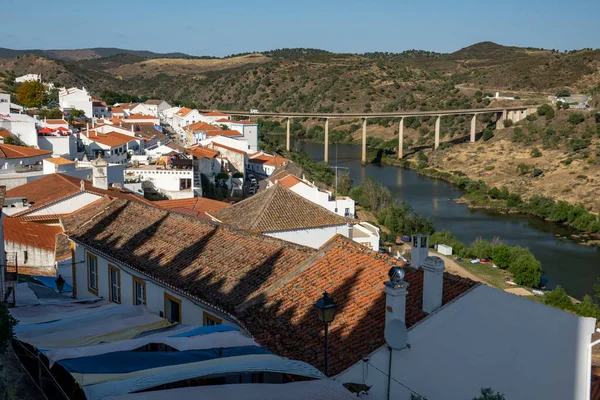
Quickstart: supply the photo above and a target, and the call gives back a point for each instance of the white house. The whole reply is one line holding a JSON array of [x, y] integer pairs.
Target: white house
[[341, 205], [249, 130], [76, 99], [22, 126], [166, 116], [184, 117], [154, 108], [20, 159], [213, 117], [141, 119], [173, 180], [265, 164], [205, 162], [112, 146], [28, 77], [100, 109]]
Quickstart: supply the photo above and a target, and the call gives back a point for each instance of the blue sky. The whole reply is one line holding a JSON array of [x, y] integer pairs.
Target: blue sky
[[221, 27]]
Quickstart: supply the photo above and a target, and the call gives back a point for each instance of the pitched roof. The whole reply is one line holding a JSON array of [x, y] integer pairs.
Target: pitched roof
[[267, 159], [153, 102], [184, 111], [140, 116], [56, 121], [223, 120], [30, 233], [122, 136], [215, 144], [109, 140], [290, 181], [54, 187], [116, 110], [199, 151], [11, 151], [201, 204], [215, 263], [215, 114], [278, 209], [286, 322], [201, 126], [5, 133], [59, 160], [244, 122]]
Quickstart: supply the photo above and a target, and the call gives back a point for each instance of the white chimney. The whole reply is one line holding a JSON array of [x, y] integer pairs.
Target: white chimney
[[419, 250], [433, 283], [131, 128], [395, 296], [100, 173]]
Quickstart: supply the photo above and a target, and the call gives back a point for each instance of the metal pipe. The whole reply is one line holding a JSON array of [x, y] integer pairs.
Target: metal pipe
[[389, 389], [326, 350]]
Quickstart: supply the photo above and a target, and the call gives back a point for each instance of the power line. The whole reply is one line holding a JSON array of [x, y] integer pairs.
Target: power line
[[398, 382]]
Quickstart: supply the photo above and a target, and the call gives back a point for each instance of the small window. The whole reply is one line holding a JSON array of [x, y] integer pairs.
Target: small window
[[114, 284], [139, 292], [210, 320], [172, 308], [92, 266], [25, 257]]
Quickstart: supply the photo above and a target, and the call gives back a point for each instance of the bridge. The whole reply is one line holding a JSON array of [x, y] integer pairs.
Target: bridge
[[515, 114]]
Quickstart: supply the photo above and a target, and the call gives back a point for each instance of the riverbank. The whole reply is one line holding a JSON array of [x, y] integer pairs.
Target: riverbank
[[479, 198]]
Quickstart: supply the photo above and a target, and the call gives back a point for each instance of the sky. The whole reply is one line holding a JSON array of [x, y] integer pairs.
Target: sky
[[224, 27]]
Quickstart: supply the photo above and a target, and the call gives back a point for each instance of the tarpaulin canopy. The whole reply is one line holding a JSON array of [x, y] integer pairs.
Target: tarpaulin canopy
[[45, 130], [50, 281], [55, 312]]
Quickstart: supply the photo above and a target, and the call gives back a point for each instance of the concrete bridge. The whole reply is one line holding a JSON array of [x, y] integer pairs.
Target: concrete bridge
[[515, 113]]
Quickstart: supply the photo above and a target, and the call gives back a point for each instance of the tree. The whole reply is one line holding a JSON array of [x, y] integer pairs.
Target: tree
[[501, 255], [576, 118], [558, 298], [535, 152], [563, 93], [7, 324], [31, 94], [587, 307], [547, 110], [526, 270], [559, 105], [482, 249], [344, 184], [489, 394]]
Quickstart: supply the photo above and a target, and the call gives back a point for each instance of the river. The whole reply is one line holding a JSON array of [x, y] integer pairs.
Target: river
[[573, 266]]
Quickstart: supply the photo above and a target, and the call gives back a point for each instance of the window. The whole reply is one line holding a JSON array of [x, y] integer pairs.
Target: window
[[210, 320], [139, 292], [25, 256], [172, 308], [185, 183], [92, 275], [114, 284]]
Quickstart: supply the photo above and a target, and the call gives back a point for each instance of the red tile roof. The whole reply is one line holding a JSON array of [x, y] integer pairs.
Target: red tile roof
[[109, 140], [30, 233], [245, 122], [290, 181], [215, 144], [199, 151], [56, 121], [197, 204], [223, 120], [140, 116], [5, 133], [267, 159], [116, 109], [215, 114], [278, 209], [153, 102], [224, 132], [215, 263], [59, 160], [11, 151], [55, 187], [184, 111], [285, 322], [201, 126]]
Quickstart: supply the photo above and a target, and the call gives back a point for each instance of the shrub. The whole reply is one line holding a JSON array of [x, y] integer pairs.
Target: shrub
[[576, 118], [513, 200], [563, 93], [546, 110], [487, 134], [559, 105], [526, 270], [524, 169], [578, 143], [587, 307], [531, 117], [7, 324], [535, 152], [501, 256], [558, 298], [508, 123], [518, 135], [482, 249], [536, 172], [566, 106]]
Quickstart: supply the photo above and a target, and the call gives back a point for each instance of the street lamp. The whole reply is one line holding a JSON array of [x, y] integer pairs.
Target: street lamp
[[326, 309], [60, 283]]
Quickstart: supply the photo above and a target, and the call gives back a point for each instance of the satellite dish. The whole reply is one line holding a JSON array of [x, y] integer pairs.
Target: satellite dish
[[396, 334]]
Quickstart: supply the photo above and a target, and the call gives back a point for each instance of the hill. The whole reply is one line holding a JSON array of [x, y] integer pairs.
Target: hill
[[86, 54]]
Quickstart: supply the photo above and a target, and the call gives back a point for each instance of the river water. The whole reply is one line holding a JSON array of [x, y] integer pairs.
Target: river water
[[573, 266]]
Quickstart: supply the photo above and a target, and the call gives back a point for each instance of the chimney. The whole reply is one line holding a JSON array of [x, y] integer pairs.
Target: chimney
[[395, 296], [132, 128], [433, 283], [350, 230], [100, 173], [419, 250], [93, 123]]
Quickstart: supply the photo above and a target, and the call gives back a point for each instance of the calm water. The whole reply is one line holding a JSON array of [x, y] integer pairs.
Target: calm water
[[573, 266]]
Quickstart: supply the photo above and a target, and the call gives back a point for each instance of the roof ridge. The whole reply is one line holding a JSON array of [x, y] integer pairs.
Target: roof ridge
[[262, 208]]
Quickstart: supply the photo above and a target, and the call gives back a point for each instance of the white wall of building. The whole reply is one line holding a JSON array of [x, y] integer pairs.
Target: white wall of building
[[312, 237], [78, 99], [180, 121], [28, 77], [250, 133], [167, 181], [191, 312], [366, 234], [21, 126], [41, 259], [4, 103], [69, 205], [65, 146], [486, 338]]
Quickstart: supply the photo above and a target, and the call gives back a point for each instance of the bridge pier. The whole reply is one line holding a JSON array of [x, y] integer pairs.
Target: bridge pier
[[401, 138], [501, 118], [287, 135], [437, 132], [473, 127], [326, 158], [364, 142]]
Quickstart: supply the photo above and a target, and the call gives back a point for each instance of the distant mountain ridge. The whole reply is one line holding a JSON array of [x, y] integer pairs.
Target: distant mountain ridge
[[87, 54]]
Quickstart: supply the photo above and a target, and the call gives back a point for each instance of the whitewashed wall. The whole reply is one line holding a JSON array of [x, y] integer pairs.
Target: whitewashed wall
[[69, 205], [36, 257], [313, 237]]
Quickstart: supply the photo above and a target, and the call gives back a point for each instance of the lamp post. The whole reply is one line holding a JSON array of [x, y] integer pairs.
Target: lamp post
[[326, 309], [60, 283]]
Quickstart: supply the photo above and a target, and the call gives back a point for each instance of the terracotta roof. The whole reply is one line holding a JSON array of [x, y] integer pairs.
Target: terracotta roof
[[215, 114], [62, 248], [199, 151], [108, 140], [56, 121], [122, 136], [184, 111], [201, 126], [30, 233], [153, 102], [55, 187], [116, 110], [197, 203], [5, 133], [278, 209], [59, 160], [245, 122], [193, 213], [286, 322], [215, 144], [12, 151], [140, 116], [267, 159], [224, 132], [223, 120], [215, 263], [290, 181]]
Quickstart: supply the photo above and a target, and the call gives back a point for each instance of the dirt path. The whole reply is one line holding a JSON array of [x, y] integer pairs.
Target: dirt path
[[455, 268]]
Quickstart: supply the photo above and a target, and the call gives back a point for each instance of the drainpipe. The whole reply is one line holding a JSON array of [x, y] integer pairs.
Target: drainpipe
[[389, 389]]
